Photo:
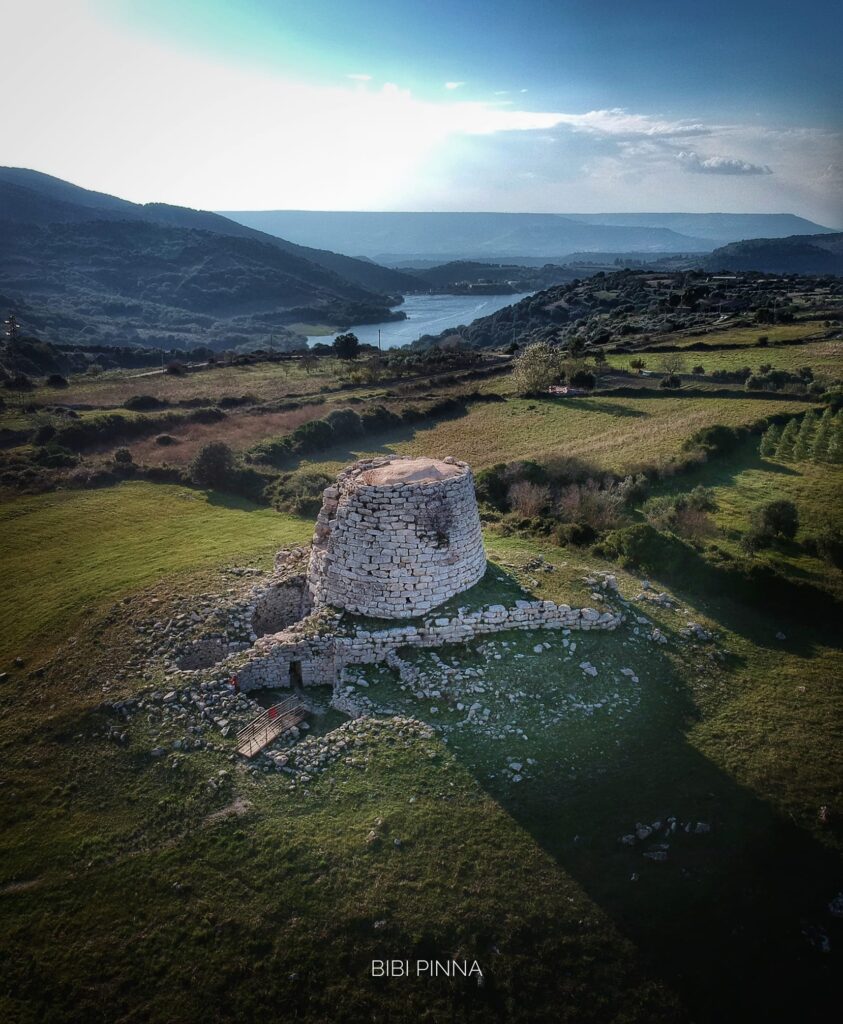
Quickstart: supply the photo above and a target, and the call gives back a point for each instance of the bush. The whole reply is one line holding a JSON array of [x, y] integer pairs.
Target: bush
[[345, 423], [600, 507], [165, 440], [527, 498], [583, 379], [312, 436], [19, 382], [300, 493], [828, 546], [123, 456], [143, 403], [492, 488], [55, 380], [578, 534], [176, 368], [214, 466], [670, 381], [716, 440], [53, 456], [44, 433]]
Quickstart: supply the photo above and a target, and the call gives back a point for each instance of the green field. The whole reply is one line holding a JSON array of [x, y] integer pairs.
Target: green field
[[824, 357], [70, 553], [614, 433], [126, 895]]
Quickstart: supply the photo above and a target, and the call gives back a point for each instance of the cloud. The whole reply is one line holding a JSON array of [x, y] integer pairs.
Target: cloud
[[696, 164], [360, 78], [454, 85]]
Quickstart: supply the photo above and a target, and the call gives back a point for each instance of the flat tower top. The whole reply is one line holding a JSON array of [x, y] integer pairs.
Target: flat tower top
[[412, 471]]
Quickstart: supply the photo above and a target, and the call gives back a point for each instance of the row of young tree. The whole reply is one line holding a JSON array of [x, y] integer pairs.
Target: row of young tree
[[815, 438]]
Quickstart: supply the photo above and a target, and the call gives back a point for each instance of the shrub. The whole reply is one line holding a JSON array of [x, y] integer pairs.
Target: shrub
[[19, 382], [828, 546], [53, 456], [123, 456], [379, 419], [601, 508], [143, 403], [754, 540], [312, 436], [345, 423], [55, 380], [578, 534], [300, 493], [671, 381], [44, 433], [699, 370], [716, 440], [176, 368], [527, 498], [165, 440], [492, 487], [214, 465], [584, 379]]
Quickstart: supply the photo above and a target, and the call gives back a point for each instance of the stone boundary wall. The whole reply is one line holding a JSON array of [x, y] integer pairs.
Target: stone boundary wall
[[396, 537], [319, 660]]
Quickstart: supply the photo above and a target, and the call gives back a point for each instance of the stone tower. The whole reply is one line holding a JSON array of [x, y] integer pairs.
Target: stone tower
[[395, 537]]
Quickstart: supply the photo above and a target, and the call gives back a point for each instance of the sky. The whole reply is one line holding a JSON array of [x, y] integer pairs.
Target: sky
[[540, 106]]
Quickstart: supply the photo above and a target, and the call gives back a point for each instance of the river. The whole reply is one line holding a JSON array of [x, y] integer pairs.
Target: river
[[427, 314]]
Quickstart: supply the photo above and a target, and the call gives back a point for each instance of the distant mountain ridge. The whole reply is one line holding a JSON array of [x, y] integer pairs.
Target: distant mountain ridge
[[393, 237]]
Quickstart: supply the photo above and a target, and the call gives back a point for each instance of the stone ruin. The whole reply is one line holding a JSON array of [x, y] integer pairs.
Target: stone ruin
[[396, 537]]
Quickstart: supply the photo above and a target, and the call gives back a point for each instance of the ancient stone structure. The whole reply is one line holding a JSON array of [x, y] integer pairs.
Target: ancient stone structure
[[396, 537], [304, 655]]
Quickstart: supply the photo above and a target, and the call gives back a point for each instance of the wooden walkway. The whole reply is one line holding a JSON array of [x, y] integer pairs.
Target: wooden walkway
[[268, 725]]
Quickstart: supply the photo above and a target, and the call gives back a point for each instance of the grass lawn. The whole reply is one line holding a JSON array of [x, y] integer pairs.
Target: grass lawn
[[132, 891], [822, 356], [744, 481], [614, 433], [747, 335], [72, 552]]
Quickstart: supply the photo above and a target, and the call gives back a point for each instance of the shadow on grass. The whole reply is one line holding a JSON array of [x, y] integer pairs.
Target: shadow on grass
[[595, 405], [720, 921]]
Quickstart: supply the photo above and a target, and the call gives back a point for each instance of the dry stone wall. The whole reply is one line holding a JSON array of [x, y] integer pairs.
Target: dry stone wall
[[396, 537], [293, 656]]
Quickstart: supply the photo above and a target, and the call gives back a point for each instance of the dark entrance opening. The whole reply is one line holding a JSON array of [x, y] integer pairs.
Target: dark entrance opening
[[295, 673]]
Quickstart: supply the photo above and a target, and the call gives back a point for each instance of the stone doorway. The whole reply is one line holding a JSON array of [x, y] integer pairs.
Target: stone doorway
[[295, 675]]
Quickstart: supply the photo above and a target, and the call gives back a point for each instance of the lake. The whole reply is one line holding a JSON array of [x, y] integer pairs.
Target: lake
[[427, 314]]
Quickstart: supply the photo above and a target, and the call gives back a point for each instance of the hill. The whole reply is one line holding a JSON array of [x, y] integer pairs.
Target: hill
[[797, 254], [717, 227], [397, 237], [392, 237], [34, 198], [81, 265]]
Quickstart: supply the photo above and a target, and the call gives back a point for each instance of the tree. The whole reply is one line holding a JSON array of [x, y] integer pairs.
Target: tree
[[788, 440], [822, 438], [213, 466], [346, 346], [804, 442], [777, 519], [673, 363], [637, 364], [835, 445], [537, 367], [770, 441]]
